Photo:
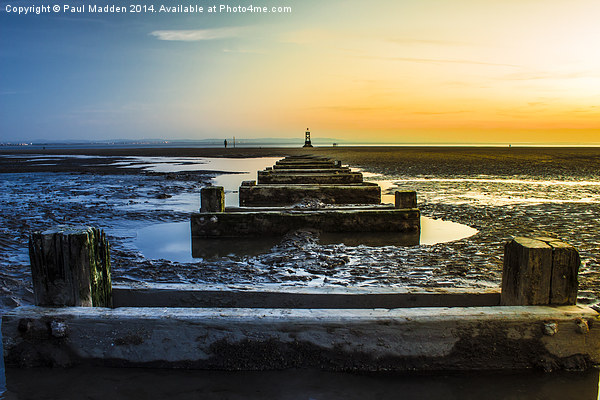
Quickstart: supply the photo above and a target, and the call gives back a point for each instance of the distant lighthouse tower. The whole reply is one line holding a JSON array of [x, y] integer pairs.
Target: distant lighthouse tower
[[307, 142]]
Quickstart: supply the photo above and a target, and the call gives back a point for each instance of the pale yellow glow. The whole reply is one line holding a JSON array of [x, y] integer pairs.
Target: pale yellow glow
[[392, 71]]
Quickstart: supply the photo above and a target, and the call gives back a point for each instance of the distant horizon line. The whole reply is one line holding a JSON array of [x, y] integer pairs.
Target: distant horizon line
[[278, 142]]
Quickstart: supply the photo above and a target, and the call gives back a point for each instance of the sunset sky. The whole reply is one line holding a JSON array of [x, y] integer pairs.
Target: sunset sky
[[464, 71]]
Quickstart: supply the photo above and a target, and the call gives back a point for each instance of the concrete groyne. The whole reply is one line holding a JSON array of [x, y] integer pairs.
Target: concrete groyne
[[300, 178], [532, 321], [236, 327], [305, 192]]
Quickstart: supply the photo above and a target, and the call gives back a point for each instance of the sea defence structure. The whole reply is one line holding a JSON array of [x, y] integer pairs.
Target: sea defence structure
[[305, 192], [81, 318], [296, 179], [237, 327]]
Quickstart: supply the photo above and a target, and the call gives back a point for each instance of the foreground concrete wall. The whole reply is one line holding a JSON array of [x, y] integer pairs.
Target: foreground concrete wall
[[277, 296], [475, 338], [281, 222]]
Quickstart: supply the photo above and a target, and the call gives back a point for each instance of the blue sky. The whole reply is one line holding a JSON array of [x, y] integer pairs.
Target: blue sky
[[388, 70], [103, 76]]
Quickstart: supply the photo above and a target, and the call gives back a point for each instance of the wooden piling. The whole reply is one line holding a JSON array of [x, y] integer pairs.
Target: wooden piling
[[565, 267], [70, 266], [406, 199], [539, 271], [212, 199]]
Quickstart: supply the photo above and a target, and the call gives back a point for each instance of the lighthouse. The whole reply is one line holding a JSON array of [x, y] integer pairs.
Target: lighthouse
[[307, 142]]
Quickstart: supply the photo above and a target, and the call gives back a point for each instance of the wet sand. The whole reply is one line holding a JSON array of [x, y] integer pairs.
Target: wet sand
[[498, 191], [569, 163]]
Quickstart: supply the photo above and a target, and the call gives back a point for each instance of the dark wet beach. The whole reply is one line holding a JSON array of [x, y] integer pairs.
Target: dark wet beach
[[116, 193], [549, 192]]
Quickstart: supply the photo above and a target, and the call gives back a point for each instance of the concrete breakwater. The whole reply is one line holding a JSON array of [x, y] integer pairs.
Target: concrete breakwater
[[399, 339], [345, 329], [299, 178], [305, 192], [257, 328]]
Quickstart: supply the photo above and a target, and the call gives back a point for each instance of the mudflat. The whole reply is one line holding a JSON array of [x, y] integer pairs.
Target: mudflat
[[574, 162], [501, 192]]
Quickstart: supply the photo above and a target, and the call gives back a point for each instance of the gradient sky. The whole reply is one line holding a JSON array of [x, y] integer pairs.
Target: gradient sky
[[423, 71]]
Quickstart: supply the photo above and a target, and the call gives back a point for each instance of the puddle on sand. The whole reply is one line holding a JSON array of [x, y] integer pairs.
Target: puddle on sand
[[434, 231], [173, 241], [490, 191], [169, 241], [238, 169]]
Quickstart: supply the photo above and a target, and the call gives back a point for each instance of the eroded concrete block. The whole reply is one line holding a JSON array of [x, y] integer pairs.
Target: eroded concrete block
[[406, 199], [212, 199], [231, 224], [308, 170], [305, 160], [277, 296], [322, 178], [281, 195], [304, 166]]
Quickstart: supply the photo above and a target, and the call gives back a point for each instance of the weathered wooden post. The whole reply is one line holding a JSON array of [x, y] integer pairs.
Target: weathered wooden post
[[565, 267], [406, 199], [212, 199], [539, 271], [70, 266]]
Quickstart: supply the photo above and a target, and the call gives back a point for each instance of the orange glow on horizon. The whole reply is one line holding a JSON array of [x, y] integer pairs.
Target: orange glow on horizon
[[460, 72]]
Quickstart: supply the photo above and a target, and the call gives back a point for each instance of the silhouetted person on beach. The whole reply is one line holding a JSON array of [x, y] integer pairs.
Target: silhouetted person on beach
[[225, 143]]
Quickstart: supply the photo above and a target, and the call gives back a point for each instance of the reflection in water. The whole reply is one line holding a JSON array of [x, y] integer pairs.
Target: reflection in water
[[435, 231], [491, 191], [222, 247], [238, 169], [147, 384], [374, 239], [168, 241], [173, 241]]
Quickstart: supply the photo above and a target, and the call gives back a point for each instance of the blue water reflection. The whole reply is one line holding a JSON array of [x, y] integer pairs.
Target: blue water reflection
[[173, 242]]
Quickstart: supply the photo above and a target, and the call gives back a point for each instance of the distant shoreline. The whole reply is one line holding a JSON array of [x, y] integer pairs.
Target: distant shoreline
[[542, 162], [118, 149], [258, 145]]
